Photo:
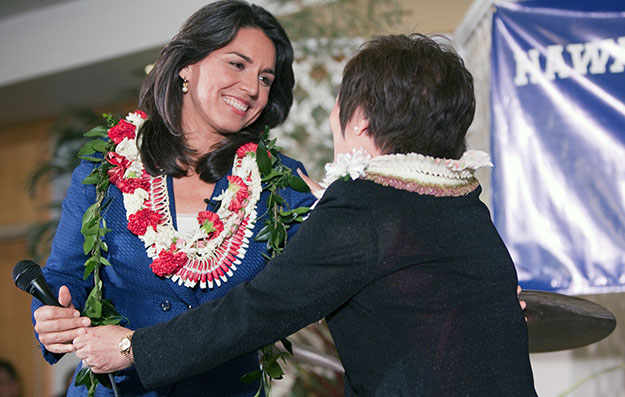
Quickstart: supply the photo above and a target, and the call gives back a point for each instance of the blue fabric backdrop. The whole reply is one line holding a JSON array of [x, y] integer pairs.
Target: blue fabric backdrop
[[558, 142]]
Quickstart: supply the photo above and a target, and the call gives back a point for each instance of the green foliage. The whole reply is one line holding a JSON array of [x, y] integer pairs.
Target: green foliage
[[93, 229], [270, 366], [86, 377], [275, 177]]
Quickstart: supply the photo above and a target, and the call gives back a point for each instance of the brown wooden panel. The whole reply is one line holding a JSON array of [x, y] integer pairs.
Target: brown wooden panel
[[22, 147], [19, 345]]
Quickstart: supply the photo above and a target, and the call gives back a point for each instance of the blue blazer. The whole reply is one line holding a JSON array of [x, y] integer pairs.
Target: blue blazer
[[141, 296]]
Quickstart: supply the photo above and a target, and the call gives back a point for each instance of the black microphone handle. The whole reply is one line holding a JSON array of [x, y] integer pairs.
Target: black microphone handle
[[40, 290]]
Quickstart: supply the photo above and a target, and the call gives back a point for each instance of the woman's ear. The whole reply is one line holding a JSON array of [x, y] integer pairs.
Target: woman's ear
[[360, 137], [183, 72], [361, 122], [363, 126]]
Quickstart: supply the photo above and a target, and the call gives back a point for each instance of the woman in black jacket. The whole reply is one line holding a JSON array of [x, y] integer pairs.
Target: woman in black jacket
[[399, 255]]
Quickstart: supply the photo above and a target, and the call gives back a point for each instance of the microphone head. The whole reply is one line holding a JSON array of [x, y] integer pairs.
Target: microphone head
[[24, 273]]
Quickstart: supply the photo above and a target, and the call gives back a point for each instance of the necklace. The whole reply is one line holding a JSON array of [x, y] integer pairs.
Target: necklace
[[220, 239]]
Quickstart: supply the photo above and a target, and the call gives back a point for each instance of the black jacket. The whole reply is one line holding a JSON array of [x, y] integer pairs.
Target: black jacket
[[419, 293]]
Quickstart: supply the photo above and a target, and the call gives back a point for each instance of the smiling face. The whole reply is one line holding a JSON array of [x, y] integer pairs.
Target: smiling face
[[228, 89]]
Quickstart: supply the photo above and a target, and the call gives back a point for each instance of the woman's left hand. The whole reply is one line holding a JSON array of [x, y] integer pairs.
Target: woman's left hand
[[98, 347], [523, 304], [315, 188]]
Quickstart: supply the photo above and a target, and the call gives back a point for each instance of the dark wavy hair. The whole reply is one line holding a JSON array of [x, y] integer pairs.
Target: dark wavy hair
[[416, 93], [162, 144]]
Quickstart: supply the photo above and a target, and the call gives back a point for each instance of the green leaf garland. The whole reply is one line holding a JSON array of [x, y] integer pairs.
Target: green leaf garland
[[280, 217], [93, 229]]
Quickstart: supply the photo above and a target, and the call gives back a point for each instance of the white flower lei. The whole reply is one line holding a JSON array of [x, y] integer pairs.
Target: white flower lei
[[410, 171]]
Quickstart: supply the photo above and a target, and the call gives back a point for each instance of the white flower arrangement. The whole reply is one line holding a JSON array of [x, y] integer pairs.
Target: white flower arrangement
[[351, 164]]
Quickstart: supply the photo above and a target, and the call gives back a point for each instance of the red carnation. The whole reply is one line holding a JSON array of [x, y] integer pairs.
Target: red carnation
[[122, 130], [141, 113], [237, 185], [120, 165], [129, 185], [139, 221], [243, 150], [168, 262], [210, 222]]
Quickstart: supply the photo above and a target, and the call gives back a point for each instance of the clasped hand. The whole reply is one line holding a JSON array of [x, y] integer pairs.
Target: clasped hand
[[98, 347], [62, 330]]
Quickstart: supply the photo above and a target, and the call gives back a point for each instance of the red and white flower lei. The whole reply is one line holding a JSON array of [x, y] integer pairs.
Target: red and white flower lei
[[220, 239]]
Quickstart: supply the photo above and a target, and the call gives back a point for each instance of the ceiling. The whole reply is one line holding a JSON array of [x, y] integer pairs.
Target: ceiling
[[103, 82], [94, 85], [92, 80], [9, 8]]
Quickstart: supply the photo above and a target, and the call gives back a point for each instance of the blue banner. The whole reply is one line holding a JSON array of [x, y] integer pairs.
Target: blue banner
[[558, 142]]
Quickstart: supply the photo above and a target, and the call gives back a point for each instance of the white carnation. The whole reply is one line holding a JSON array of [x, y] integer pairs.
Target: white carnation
[[135, 119], [134, 202], [247, 163], [161, 238], [128, 148]]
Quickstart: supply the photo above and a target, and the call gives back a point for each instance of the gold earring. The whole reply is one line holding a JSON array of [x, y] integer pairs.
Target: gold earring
[[185, 86]]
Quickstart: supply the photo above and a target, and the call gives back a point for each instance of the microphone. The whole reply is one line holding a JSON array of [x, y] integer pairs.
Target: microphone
[[28, 277]]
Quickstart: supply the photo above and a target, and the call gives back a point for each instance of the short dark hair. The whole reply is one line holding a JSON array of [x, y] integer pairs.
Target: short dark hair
[[214, 26], [416, 93]]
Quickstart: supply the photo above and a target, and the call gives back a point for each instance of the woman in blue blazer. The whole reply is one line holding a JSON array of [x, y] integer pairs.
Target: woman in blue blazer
[[185, 194]]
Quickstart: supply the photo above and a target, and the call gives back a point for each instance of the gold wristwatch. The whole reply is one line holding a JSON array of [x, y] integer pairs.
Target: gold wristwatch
[[125, 346]]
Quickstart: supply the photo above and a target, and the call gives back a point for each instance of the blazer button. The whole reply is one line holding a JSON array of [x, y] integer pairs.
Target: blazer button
[[165, 305]]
